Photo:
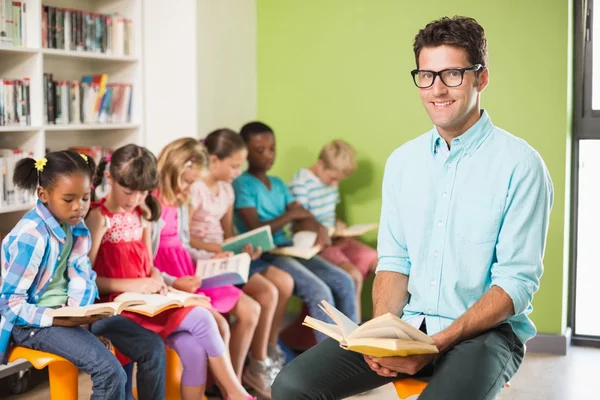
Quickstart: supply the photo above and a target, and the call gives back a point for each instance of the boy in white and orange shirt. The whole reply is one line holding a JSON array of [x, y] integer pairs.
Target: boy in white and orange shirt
[[316, 189]]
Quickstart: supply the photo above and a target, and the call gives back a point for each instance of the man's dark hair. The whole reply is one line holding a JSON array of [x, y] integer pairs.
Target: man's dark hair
[[461, 32]]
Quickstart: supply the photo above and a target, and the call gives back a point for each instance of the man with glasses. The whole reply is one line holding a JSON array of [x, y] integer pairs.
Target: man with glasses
[[464, 218]]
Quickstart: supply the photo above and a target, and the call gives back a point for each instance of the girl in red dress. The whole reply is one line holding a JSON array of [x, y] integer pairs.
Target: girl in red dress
[[122, 257]]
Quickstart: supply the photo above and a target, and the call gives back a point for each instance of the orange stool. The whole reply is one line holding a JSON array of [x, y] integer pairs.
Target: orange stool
[[410, 389], [62, 373], [172, 376]]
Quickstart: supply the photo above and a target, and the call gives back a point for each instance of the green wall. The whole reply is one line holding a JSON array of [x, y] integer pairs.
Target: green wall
[[340, 69]]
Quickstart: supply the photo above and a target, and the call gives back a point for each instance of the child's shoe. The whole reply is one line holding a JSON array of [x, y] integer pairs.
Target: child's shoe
[[259, 375], [277, 355]]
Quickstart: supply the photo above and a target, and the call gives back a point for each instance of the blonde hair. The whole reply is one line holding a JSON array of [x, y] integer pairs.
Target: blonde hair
[[339, 156], [173, 160]]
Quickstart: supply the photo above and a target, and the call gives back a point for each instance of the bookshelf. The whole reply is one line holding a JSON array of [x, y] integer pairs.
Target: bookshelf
[[32, 61]]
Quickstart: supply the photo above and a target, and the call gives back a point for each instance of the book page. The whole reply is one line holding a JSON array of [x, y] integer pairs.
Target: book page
[[381, 332], [239, 264], [92, 309], [331, 330], [189, 299], [390, 320], [346, 325], [297, 252], [257, 237], [149, 299], [356, 230]]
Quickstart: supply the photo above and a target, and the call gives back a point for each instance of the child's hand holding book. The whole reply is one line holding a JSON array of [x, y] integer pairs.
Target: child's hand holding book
[[254, 253], [77, 321]]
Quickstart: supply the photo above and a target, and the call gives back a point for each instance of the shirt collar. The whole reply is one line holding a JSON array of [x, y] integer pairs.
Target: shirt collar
[[471, 139], [53, 226]]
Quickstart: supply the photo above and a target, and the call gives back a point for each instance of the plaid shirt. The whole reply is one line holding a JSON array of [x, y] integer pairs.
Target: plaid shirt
[[30, 255]]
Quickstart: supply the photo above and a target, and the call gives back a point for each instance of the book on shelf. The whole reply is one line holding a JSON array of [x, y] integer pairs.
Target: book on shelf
[[13, 23], [77, 30], [260, 237], [91, 101], [10, 195], [303, 246], [353, 230], [218, 272], [15, 102], [383, 336], [154, 304]]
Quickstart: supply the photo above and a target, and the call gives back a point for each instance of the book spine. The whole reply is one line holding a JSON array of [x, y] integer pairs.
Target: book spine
[[8, 39], [16, 17], [24, 18], [67, 30], [50, 98], [2, 120], [26, 88], [45, 27]]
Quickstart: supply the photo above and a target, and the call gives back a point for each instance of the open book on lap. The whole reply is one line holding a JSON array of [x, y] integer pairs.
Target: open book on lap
[[154, 304], [384, 336], [218, 272], [302, 246], [112, 308], [353, 231]]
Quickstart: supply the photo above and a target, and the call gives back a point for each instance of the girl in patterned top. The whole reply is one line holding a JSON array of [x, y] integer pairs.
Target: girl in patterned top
[[211, 223], [122, 257]]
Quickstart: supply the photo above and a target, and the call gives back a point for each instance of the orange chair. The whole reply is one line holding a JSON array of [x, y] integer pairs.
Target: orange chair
[[173, 377], [62, 373], [410, 389]]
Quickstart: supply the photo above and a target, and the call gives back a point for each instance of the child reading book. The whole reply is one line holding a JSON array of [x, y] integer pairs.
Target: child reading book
[[316, 189], [261, 199], [211, 223], [45, 266], [180, 164], [122, 257]]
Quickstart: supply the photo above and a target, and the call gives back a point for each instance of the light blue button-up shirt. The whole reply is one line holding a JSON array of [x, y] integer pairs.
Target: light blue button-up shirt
[[461, 222]]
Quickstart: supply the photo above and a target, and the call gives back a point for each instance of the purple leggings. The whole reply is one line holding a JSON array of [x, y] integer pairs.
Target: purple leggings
[[194, 339]]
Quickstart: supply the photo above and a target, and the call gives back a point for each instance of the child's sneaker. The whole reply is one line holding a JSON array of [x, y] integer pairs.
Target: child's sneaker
[[277, 355], [259, 375]]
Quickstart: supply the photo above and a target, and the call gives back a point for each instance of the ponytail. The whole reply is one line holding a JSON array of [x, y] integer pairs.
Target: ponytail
[[154, 206], [26, 175]]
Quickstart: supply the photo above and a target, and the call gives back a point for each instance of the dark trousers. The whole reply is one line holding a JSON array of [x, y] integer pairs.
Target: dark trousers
[[476, 369], [90, 355]]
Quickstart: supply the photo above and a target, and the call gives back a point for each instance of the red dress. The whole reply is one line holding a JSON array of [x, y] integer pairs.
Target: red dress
[[123, 254]]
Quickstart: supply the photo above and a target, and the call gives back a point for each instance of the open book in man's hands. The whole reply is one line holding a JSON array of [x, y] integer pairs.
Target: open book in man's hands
[[154, 304], [384, 336], [218, 272], [109, 309]]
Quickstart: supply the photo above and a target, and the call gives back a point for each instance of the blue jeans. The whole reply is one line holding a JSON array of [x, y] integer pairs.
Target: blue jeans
[[316, 280], [88, 354], [141, 346]]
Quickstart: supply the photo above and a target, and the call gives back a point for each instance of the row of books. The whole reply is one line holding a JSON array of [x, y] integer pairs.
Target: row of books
[[76, 30], [13, 23], [91, 100], [9, 194], [15, 102]]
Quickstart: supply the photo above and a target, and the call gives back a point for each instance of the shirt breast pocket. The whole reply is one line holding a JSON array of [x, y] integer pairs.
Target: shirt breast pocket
[[478, 218]]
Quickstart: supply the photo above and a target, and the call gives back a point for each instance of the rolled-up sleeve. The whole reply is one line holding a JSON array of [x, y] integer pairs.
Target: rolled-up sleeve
[[522, 237], [391, 244]]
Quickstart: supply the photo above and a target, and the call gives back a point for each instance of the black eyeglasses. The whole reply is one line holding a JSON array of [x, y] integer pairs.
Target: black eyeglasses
[[451, 77]]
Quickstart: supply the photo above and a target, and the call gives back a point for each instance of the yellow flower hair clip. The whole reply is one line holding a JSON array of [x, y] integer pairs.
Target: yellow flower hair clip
[[40, 164], [84, 157]]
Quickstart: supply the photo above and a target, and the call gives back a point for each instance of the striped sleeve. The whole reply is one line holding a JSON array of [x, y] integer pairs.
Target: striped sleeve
[[299, 189]]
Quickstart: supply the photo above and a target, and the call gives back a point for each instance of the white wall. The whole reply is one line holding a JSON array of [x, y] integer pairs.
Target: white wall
[[170, 72], [227, 79], [199, 68]]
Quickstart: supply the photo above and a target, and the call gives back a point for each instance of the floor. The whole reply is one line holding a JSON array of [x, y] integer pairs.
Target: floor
[[541, 377]]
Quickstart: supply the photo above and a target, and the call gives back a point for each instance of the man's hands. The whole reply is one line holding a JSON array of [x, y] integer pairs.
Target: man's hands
[[410, 365], [391, 366]]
